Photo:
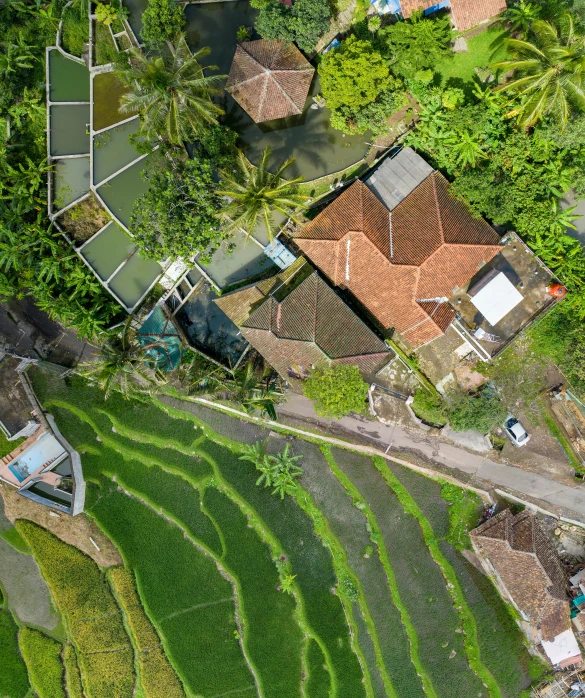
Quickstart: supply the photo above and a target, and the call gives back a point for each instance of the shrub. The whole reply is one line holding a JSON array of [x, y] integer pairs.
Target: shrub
[[162, 20], [75, 30], [89, 610], [480, 413], [430, 407], [353, 75], [158, 677], [42, 655], [106, 14], [337, 390]]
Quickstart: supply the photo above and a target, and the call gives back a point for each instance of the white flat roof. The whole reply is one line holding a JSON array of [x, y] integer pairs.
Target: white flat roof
[[564, 646], [496, 299]]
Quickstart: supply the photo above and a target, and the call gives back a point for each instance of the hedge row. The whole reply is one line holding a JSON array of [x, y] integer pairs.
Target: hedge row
[[158, 677], [42, 655], [72, 675], [83, 596]]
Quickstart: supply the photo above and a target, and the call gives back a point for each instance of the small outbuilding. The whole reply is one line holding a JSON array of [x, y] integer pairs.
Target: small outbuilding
[[270, 79]]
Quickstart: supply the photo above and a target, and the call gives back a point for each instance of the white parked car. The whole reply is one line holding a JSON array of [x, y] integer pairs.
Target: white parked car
[[516, 432]]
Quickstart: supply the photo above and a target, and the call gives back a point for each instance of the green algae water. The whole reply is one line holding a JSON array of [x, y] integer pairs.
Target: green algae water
[[134, 279], [112, 150], [71, 180], [69, 129], [107, 250], [120, 192], [69, 80]]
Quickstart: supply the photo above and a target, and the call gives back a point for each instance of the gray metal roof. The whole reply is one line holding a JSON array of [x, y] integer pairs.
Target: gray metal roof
[[397, 177]]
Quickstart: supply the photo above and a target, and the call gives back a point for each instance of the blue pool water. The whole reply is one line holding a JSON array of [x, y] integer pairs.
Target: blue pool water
[[19, 470]]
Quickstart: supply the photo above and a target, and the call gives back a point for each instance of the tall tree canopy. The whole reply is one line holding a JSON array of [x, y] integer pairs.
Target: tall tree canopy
[[353, 75], [254, 193], [162, 20], [177, 217]]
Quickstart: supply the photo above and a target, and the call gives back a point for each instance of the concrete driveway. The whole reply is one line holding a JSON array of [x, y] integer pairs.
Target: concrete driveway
[[569, 499]]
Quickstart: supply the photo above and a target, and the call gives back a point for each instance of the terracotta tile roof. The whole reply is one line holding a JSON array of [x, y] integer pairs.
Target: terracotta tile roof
[[299, 325], [410, 6], [469, 13], [269, 79], [401, 265], [529, 567], [466, 13]]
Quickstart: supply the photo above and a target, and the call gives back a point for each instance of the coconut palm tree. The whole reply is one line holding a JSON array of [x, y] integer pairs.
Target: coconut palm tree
[[123, 366], [254, 193], [551, 73], [519, 17], [171, 92]]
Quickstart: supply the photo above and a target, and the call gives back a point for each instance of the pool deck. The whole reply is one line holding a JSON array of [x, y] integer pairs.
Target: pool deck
[[50, 478]]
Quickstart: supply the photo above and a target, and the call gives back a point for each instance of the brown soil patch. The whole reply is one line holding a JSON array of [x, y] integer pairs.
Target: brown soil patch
[[84, 220], [75, 530]]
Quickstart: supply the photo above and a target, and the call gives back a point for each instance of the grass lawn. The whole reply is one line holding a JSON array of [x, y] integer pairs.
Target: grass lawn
[[459, 70]]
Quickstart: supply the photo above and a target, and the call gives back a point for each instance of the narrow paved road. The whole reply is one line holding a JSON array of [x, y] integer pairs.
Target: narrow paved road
[[508, 477]]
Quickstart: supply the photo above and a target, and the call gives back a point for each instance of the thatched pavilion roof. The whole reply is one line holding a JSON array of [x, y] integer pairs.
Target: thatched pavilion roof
[[269, 79]]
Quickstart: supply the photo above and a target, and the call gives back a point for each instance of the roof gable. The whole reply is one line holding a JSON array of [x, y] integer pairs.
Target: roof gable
[[269, 79]]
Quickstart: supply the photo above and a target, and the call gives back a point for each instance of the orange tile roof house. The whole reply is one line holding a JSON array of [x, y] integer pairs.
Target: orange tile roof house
[[402, 245], [465, 13], [269, 79], [528, 571], [297, 322]]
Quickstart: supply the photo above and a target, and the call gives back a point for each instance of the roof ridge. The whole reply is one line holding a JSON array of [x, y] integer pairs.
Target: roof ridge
[[263, 94], [276, 53], [438, 205], [245, 50], [315, 308]]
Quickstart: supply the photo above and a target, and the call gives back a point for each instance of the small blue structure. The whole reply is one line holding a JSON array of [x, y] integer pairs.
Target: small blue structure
[[439, 6], [279, 254], [161, 340], [384, 7], [334, 44]]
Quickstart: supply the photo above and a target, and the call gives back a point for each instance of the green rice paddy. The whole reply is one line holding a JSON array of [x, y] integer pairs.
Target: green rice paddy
[[381, 603]]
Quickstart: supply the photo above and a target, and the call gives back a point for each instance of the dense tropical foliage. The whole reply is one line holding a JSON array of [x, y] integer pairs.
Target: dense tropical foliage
[[34, 259], [337, 390]]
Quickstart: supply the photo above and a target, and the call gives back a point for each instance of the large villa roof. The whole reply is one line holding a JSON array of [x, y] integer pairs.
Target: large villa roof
[[269, 79], [296, 321], [402, 264]]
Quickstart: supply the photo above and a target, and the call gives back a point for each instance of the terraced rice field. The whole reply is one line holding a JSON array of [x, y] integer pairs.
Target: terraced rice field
[[379, 604]]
